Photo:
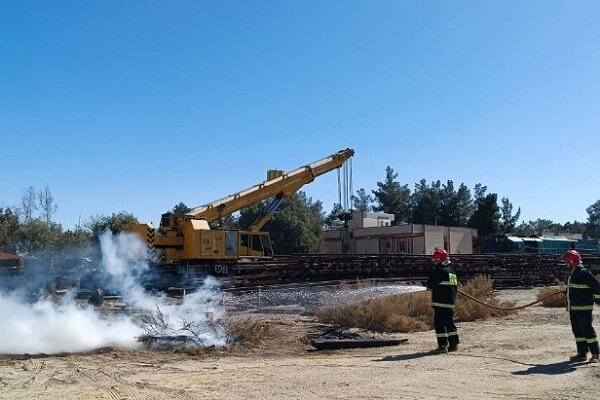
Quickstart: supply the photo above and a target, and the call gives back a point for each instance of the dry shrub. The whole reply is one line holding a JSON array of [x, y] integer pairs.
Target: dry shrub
[[412, 312], [193, 351], [404, 323], [558, 300], [248, 332], [482, 288], [365, 283], [344, 285], [408, 312], [346, 315]]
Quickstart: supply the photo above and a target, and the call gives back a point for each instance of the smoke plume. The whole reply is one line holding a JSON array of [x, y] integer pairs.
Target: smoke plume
[[47, 326]]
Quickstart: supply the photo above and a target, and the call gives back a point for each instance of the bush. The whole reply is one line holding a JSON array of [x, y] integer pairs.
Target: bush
[[412, 312], [558, 300], [248, 332], [482, 288]]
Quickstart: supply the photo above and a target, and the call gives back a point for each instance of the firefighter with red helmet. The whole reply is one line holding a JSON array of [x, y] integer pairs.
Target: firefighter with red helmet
[[583, 290], [443, 285]]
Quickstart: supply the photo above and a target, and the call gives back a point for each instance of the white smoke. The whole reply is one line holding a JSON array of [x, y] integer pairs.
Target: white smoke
[[49, 327], [46, 327], [123, 258]]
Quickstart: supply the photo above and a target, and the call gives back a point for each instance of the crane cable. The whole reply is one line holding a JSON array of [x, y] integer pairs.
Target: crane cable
[[510, 308], [339, 182], [348, 168], [344, 181]]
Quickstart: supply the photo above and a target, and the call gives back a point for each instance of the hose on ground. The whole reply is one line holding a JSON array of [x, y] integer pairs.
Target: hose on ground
[[509, 308]]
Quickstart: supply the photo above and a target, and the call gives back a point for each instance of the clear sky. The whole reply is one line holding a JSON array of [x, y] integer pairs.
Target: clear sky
[[136, 106]]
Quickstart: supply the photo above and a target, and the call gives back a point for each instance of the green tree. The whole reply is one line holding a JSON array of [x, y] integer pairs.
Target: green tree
[[575, 227], [362, 201], [455, 206], [393, 198], [9, 230], [479, 191], [39, 238], [335, 219], [249, 214], [115, 222], [486, 218], [427, 203], [509, 221], [465, 206], [448, 213], [227, 222], [317, 215], [181, 209], [524, 229], [295, 228], [593, 228], [540, 225], [74, 243]]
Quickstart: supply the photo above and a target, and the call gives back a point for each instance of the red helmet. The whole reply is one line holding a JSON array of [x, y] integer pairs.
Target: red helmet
[[440, 255], [572, 257]]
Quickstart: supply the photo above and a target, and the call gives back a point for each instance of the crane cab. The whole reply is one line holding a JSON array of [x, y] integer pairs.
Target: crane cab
[[194, 241]]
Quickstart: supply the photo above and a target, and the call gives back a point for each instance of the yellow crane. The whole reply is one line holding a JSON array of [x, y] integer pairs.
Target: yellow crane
[[191, 238]]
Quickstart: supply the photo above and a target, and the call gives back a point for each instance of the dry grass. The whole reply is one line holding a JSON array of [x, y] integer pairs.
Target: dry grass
[[248, 332], [482, 288], [193, 351], [412, 312], [409, 312], [365, 283], [557, 300]]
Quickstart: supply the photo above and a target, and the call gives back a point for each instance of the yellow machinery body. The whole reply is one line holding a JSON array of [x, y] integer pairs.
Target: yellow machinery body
[[196, 242]]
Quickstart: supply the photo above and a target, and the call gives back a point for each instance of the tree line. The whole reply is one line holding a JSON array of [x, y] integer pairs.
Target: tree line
[[29, 229], [438, 203]]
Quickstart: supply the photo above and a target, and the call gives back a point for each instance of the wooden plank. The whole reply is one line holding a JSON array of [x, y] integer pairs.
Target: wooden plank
[[333, 344]]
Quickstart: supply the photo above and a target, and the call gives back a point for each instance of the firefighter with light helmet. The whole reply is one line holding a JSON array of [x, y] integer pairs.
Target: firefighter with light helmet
[[583, 290], [443, 284]]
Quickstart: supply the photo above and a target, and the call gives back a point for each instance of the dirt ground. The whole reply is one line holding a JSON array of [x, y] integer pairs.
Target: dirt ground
[[521, 356]]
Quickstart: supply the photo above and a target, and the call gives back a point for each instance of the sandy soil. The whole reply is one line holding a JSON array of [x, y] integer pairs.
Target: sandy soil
[[518, 357]]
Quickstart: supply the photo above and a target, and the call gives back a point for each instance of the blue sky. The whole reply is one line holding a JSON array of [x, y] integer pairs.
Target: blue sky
[[136, 106]]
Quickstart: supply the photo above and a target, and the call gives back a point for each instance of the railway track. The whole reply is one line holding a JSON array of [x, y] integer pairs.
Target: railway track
[[507, 270]]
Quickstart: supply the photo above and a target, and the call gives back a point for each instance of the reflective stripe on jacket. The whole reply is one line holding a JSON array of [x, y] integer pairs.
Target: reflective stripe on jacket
[[583, 290], [443, 284]]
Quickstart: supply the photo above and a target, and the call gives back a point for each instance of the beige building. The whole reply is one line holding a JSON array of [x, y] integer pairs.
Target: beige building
[[374, 233]]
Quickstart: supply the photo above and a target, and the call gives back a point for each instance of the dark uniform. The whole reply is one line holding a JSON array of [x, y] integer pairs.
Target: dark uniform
[[583, 290], [443, 285]]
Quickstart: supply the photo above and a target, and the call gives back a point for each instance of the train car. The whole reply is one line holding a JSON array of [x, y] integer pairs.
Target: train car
[[532, 244], [502, 243], [556, 245], [588, 246]]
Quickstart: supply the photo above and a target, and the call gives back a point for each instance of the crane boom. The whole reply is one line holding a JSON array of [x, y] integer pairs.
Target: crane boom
[[282, 187]]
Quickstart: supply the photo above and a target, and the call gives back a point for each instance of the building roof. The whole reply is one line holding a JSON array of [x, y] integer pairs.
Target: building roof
[[531, 239], [557, 238], [515, 239]]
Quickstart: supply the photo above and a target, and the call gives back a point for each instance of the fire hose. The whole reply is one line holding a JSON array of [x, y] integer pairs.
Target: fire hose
[[510, 308]]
